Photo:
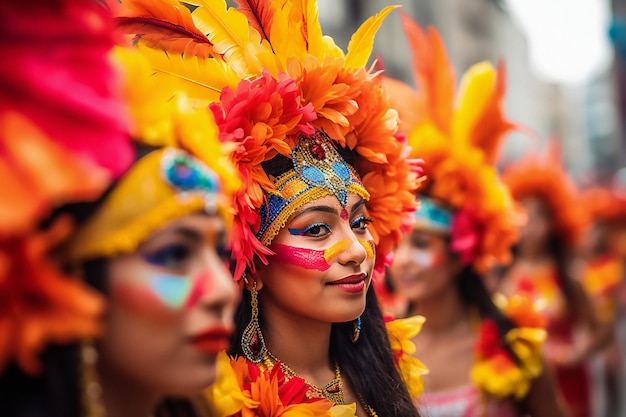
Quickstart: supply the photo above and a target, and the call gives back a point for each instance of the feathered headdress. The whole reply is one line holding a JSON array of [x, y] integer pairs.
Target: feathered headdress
[[604, 205], [458, 142], [542, 176], [64, 137], [271, 77]]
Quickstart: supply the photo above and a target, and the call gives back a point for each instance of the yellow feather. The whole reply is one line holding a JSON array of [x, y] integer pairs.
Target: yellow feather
[[286, 34], [201, 79], [476, 87], [314, 29], [362, 41], [227, 29]]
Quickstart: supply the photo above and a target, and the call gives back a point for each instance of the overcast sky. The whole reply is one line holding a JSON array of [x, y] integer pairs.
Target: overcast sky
[[568, 38]]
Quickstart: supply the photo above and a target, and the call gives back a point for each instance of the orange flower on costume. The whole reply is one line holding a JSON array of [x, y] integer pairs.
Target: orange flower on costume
[[38, 304], [459, 144], [508, 371], [543, 176], [261, 392]]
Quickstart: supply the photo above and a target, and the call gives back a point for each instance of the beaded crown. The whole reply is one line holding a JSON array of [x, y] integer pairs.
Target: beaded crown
[[459, 142], [271, 77]]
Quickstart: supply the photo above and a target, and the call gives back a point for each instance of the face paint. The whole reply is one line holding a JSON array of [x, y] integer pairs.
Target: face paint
[[344, 215], [161, 293], [336, 249], [427, 260], [304, 230], [369, 247], [304, 258]]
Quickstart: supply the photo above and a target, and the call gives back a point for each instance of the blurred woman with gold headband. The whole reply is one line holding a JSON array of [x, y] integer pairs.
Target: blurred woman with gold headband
[[328, 190], [542, 270], [111, 301], [484, 360]]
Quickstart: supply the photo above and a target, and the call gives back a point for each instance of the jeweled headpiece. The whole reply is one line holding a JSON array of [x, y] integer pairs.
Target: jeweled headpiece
[[318, 171], [271, 78], [458, 139]]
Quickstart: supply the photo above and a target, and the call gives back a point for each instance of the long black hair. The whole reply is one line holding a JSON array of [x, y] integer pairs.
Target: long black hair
[[57, 391], [368, 364]]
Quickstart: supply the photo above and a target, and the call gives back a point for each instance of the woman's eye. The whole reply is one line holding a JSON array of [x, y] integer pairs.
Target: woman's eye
[[317, 229], [360, 222], [420, 243], [170, 256]]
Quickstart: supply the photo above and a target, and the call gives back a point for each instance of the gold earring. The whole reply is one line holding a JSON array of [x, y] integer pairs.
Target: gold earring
[[90, 383], [252, 342]]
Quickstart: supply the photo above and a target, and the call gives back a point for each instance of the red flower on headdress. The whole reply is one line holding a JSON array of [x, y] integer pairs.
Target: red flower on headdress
[[262, 118], [467, 231]]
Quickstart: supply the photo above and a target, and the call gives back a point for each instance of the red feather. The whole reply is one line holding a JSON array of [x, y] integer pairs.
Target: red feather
[[259, 15], [164, 25]]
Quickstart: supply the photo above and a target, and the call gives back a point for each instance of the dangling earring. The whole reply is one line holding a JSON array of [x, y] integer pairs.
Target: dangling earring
[[91, 388], [252, 342], [357, 330]]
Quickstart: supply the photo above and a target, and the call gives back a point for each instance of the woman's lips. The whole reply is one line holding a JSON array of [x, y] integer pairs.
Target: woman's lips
[[353, 283], [212, 340]]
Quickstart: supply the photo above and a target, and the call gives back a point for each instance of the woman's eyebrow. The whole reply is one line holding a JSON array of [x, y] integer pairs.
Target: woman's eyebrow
[[325, 209], [358, 204]]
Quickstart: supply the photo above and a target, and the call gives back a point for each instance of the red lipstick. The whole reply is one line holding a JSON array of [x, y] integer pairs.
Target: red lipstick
[[212, 340], [352, 283]]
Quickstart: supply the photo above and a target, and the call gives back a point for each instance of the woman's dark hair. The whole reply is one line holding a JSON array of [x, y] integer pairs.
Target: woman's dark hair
[[368, 364], [56, 392], [557, 249]]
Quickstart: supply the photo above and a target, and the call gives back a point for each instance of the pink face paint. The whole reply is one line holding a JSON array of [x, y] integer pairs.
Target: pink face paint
[[199, 289], [304, 258], [344, 215], [369, 246]]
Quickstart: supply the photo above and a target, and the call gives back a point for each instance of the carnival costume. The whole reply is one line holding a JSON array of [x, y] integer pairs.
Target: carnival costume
[[277, 86], [463, 198], [542, 176], [605, 272], [69, 116]]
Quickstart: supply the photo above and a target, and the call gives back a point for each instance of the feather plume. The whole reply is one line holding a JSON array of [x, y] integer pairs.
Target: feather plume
[[259, 15], [492, 125], [164, 25], [432, 71], [227, 29], [203, 79], [286, 34], [362, 41]]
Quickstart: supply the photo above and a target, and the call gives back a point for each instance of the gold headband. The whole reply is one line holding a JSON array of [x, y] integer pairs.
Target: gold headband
[[164, 185]]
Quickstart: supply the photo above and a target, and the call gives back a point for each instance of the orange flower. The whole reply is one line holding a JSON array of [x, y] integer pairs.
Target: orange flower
[[38, 304]]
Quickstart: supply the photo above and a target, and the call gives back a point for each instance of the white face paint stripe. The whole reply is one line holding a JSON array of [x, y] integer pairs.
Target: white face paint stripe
[[423, 259]]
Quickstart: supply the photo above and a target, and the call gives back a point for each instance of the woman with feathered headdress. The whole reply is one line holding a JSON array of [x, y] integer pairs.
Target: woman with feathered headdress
[[114, 297], [328, 192], [484, 359]]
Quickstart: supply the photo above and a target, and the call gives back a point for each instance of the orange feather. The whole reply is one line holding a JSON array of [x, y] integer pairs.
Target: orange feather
[[433, 72], [164, 25], [492, 125], [259, 15]]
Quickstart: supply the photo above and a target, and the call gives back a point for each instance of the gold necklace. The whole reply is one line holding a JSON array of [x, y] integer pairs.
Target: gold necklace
[[333, 391]]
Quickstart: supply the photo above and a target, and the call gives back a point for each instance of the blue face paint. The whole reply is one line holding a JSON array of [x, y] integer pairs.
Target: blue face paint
[[305, 230], [172, 290]]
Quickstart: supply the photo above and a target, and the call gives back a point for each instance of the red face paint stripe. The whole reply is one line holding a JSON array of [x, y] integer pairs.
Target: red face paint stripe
[[304, 258]]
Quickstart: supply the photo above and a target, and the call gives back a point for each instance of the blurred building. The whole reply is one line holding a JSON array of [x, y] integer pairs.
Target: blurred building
[[477, 30]]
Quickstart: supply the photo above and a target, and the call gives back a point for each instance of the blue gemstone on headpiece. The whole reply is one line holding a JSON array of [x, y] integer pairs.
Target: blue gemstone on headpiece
[[341, 170], [187, 174], [313, 174]]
